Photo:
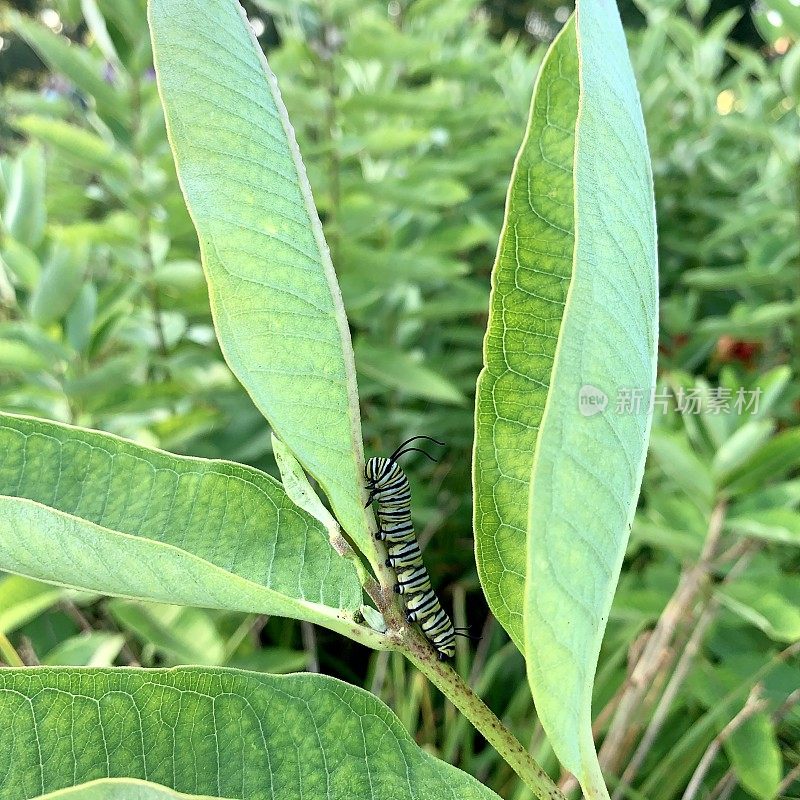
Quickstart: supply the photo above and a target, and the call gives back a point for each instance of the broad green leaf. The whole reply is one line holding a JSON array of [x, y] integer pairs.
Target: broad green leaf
[[80, 318], [782, 495], [755, 755], [677, 460], [397, 370], [740, 446], [21, 261], [17, 356], [788, 14], [107, 515], [750, 322], [274, 297], [128, 16], [771, 387], [558, 462], [212, 732], [279, 660], [24, 213], [119, 789], [23, 101]]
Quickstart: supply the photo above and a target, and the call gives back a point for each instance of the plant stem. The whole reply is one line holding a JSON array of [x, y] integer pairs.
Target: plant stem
[[456, 690], [8, 653], [688, 655], [310, 645], [412, 644], [144, 227], [792, 776], [728, 782], [656, 656], [753, 705]]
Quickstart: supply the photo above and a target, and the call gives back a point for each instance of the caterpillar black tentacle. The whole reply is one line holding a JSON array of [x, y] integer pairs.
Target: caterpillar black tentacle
[[388, 486]]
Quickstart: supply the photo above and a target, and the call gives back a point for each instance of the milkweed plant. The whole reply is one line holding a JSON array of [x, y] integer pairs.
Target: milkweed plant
[[556, 473]]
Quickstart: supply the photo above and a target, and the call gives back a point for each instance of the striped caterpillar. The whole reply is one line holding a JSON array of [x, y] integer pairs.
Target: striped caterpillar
[[388, 486]]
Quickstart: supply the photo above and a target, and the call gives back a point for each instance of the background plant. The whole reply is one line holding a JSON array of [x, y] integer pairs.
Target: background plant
[[425, 190]]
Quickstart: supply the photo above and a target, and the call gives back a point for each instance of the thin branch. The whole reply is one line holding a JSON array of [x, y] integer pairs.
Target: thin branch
[[682, 668], [656, 653], [152, 287], [725, 786], [665, 703], [26, 653], [144, 225], [379, 676], [76, 615], [792, 776], [729, 781], [310, 645], [752, 705]]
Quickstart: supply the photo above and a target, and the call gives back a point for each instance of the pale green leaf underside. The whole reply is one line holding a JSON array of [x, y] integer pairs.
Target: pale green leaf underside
[[274, 296], [90, 510], [588, 469], [119, 789], [221, 733], [529, 288]]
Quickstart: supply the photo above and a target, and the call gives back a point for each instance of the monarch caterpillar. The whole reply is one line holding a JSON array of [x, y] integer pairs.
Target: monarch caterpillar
[[388, 486]]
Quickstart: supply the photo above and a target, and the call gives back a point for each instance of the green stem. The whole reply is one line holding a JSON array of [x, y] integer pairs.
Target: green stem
[[459, 693], [8, 653], [411, 643]]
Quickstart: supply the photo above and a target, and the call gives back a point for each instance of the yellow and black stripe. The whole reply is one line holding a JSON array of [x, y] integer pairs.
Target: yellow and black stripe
[[388, 487]]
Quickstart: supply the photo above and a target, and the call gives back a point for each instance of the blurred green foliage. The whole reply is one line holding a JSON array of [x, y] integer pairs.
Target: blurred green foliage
[[409, 116]]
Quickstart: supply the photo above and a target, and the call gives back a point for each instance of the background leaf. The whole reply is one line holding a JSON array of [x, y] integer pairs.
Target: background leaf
[[22, 599], [756, 756], [77, 64], [395, 369], [91, 649], [24, 212]]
